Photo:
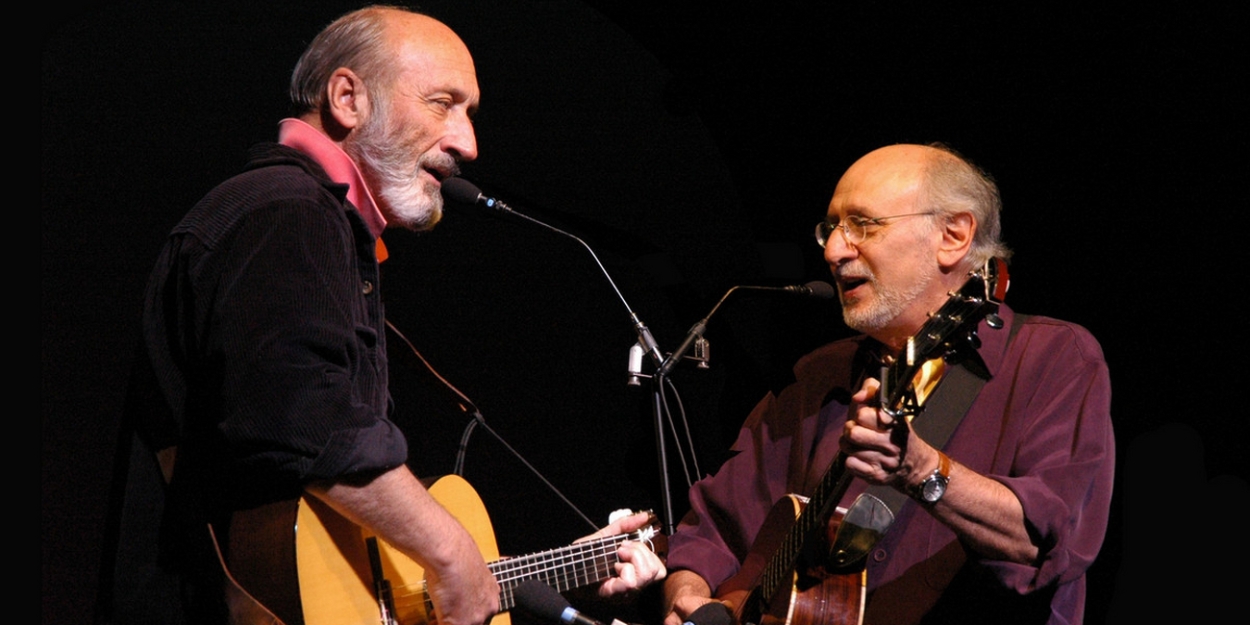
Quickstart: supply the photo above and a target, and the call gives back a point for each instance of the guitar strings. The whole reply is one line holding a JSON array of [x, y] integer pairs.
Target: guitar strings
[[512, 569], [562, 568]]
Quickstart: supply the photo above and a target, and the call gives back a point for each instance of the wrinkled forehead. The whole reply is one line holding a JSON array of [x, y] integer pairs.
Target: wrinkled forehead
[[877, 190], [429, 52]]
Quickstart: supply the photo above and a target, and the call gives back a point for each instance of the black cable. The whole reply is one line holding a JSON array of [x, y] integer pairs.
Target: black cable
[[478, 420]]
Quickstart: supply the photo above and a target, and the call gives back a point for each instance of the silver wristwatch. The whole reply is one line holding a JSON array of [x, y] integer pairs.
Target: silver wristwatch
[[930, 491]]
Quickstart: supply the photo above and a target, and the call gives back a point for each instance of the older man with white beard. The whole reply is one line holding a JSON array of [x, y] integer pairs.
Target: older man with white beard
[[264, 371]]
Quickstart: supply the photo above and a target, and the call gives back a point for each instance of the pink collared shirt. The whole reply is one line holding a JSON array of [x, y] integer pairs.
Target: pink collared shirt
[[298, 134]]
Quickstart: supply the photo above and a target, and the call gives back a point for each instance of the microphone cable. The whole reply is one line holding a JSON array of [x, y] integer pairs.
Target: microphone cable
[[476, 419]]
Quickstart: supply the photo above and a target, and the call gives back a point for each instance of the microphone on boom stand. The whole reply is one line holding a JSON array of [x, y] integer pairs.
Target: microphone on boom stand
[[463, 191], [815, 288]]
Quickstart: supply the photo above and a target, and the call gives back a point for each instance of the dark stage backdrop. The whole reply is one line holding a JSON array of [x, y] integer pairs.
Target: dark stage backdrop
[[693, 147]]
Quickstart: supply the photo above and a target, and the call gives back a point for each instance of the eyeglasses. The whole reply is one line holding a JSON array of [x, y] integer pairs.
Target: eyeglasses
[[854, 228]]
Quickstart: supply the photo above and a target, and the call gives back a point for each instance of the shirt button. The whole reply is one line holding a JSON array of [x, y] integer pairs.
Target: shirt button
[[367, 287], [879, 555]]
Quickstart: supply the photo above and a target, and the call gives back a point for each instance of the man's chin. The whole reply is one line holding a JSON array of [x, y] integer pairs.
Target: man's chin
[[416, 218], [422, 223], [859, 316]]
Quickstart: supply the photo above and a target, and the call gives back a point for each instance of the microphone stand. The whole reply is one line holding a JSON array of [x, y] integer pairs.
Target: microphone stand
[[694, 338], [464, 191], [644, 335], [648, 344]]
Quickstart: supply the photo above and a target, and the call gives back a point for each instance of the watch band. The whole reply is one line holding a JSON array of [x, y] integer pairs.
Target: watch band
[[944, 465]]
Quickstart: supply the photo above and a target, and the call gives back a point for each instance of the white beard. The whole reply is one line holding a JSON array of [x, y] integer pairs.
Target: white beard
[[887, 305], [384, 153]]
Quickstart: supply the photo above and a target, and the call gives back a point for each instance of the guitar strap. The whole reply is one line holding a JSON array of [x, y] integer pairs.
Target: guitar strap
[[944, 410]]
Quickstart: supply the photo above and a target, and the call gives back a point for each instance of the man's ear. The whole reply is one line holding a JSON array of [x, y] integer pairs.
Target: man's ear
[[347, 101], [957, 233]]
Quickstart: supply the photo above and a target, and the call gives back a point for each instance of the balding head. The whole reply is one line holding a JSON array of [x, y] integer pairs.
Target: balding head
[[367, 41], [935, 178]]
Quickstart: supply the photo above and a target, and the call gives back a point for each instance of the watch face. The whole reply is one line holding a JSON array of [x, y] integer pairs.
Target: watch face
[[932, 489]]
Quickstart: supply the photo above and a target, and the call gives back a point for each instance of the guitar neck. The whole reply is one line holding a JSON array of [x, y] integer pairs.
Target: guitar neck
[[573, 566], [832, 487]]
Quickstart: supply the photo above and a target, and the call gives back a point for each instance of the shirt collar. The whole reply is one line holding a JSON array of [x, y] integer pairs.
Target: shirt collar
[[298, 134]]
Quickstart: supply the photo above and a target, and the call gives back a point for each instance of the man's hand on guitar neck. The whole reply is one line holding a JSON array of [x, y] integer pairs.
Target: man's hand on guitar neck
[[881, 450], [983, 512], [639, 566]]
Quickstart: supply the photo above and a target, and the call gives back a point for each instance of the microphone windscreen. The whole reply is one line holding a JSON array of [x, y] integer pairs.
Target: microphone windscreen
[[540, 599], [821, 290], [461, 190], [714, 613]]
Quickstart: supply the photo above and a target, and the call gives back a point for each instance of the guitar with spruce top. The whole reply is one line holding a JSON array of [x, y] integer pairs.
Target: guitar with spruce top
[[301, 562]]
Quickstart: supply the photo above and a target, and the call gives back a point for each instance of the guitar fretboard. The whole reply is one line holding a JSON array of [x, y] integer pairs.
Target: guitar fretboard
[[576, 565]]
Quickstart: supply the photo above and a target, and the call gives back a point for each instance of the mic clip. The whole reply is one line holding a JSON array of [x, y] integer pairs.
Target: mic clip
[[702, 351]]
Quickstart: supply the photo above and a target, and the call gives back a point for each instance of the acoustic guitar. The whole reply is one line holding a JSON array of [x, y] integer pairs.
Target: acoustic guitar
[[806, 565], [302, 563]]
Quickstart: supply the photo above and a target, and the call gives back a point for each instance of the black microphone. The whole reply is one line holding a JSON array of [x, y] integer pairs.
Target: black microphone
[[815, 288], [714, 613], [544, 602], [465, 192]]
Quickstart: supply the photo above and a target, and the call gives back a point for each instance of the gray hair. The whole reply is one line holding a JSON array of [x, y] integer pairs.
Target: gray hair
[[954, 185], [356, 41]]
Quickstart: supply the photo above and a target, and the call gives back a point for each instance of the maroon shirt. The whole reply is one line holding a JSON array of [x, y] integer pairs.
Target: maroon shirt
[[1041, 425]]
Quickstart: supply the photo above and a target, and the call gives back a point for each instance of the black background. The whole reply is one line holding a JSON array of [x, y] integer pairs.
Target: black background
[[693, 146]]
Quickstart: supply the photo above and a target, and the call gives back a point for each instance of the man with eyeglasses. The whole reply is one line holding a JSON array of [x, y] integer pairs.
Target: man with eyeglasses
[[997, 524]]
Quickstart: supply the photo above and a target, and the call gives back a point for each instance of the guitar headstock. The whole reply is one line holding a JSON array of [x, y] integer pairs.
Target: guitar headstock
[[949, 333], [644, 533], [954, 326]]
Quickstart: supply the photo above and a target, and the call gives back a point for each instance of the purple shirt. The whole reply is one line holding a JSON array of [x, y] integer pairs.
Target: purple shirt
[[1041, 425]]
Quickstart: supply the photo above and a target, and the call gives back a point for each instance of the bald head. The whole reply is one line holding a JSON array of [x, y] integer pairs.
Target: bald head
[[368, 41], [893, 174], [894, 161], [939, 180]]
